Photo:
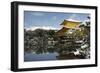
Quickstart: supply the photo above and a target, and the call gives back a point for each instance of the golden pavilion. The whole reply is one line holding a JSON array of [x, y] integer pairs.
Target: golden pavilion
[[67, 25]]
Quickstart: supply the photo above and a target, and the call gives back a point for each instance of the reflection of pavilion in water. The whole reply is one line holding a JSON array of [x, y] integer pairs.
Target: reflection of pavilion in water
[[65, 43]]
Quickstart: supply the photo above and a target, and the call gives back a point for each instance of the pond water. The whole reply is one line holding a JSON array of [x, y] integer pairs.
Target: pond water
[[40, 57]]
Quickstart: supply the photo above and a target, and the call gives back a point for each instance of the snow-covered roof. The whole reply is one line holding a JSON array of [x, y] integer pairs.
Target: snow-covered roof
[[72, 20]]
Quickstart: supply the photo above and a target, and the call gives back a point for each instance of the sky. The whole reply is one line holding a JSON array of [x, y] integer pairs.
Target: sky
[[50, 19]]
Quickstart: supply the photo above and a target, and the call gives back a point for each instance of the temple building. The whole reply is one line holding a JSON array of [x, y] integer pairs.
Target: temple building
[[68, 25]]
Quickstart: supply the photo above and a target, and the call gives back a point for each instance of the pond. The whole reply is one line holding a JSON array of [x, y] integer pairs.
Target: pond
[[40, 57]]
